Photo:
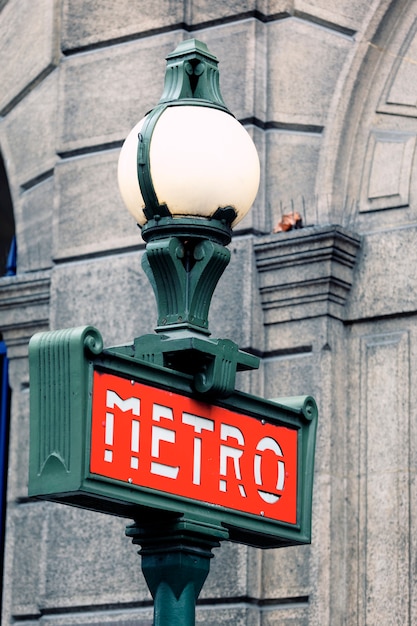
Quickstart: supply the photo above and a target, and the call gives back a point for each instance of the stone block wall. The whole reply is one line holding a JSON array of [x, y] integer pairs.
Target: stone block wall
[[327, 89]]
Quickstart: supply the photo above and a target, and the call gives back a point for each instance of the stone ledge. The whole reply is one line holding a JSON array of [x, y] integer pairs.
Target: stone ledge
[[24, 309], [305, 273]]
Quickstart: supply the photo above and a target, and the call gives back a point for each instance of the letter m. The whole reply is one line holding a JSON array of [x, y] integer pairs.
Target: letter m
[[130, 404]]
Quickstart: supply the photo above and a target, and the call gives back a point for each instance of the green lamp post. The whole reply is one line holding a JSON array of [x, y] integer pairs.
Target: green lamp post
[[188, 173], [155, 431]]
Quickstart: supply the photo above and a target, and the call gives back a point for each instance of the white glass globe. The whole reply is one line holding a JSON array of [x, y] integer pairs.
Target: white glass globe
[[201, 159]]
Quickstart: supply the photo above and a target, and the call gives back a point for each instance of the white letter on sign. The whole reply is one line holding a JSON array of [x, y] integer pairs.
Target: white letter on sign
[[162, 434], [131, 404], [226, 452], [134, 443], [200, 424], [108, 436], [267, 443]]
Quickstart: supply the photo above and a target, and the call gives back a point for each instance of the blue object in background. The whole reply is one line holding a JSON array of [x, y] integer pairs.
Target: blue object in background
[[11, 259], [4, 438], [5, 396]]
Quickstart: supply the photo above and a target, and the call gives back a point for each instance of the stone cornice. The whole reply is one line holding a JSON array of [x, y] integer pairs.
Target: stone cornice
[[305, 273], [24, 309]]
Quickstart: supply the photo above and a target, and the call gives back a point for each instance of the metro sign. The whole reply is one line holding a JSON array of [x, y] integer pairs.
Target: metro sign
[[114, 434], [161, 440]]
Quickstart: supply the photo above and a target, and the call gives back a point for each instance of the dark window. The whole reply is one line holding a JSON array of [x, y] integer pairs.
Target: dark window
[[5, 396], [7, 267], [7, 226]]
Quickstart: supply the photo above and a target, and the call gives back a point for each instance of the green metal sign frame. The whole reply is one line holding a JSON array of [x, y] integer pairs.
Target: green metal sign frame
[[62, 364]]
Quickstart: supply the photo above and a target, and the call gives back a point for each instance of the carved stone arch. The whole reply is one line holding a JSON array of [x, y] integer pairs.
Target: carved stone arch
[[367, 163]]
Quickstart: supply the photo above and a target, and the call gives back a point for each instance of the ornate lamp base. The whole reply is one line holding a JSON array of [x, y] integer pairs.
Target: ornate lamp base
[[176, 555]]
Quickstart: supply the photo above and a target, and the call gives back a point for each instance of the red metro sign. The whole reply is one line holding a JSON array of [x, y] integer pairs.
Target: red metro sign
[[174, 444], [121, 436]]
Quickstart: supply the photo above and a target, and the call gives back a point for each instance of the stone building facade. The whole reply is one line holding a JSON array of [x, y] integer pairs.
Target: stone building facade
[[328, 91]]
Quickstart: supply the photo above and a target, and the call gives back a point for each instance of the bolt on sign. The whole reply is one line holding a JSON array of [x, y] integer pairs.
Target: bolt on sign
[[120, 436]]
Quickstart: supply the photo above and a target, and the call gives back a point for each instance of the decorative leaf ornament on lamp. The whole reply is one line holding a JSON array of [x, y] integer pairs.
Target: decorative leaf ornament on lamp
[[188, 172]]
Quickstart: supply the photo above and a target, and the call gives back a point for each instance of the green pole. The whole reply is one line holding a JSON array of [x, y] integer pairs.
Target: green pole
[[175, 579], [176, 555]]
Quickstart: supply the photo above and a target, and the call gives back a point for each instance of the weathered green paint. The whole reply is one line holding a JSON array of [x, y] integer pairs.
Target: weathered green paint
[[191, 78], [59, 403], [61, 368], [176, 554], [194, 267], [185, 256], [213, 363], [184, 260], [192, 74]]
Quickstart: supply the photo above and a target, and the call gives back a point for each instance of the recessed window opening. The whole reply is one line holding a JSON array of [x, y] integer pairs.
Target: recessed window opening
[[5, 399], [7, 226]]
